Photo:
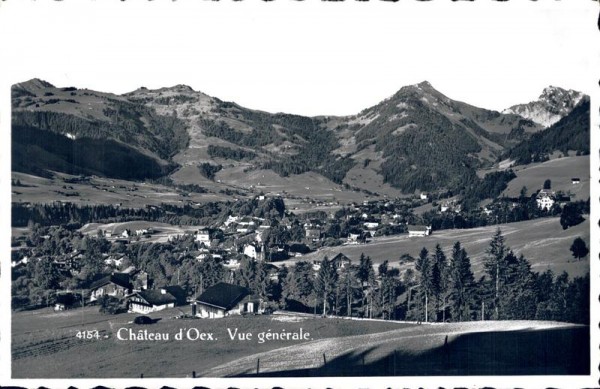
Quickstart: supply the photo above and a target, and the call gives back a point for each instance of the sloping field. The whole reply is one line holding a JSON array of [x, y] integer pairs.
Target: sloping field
[[559, 171], [542, 241], [45, 345], [492, 347]]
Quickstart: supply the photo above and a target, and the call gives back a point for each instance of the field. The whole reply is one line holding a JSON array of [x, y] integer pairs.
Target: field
[[128, 194], [542, 241], [559, 171], [44, 345]]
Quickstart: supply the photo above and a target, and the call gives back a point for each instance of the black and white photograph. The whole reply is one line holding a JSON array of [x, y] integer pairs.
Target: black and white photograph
[[301, 191]]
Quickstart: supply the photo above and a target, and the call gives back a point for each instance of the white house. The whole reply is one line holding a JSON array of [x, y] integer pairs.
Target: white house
[[419, 231], [545, 199], [253, 251], [424, 196], [203, 237]]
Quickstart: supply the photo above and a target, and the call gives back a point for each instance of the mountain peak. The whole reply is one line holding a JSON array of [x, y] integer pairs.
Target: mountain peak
[[552, 105], [34, 84]]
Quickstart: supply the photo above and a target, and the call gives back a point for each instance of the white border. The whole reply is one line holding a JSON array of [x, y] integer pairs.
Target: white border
[[11, 10]]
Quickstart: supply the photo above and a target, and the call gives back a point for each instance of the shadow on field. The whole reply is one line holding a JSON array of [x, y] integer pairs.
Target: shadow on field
[[526, 352]]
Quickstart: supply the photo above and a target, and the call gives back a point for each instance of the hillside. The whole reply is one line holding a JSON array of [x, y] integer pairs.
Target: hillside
[[416, 140], [571, 133], [559, 171], [542, 241]]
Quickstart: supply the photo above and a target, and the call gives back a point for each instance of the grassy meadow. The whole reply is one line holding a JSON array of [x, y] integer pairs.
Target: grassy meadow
[[44, 345], [542, 241]]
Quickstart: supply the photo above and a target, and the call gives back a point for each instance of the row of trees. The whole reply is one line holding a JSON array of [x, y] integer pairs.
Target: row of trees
[[508, 290]]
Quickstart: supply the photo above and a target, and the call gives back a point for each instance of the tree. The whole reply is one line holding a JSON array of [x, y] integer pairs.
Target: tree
[[547, 184], [461, 283], [299, 284], [366, 276], [495, 267], [423, 266], [326, 281], [570, 216], [439, 278], [579, 248]]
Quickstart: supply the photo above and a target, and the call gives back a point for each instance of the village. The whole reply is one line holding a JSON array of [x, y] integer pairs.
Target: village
[[237, 264]]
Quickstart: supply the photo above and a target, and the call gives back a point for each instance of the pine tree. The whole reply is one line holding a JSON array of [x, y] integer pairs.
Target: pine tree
[[461, 283], [495, 267], [423, 266], [326, 281], [439, 279], [366, 276]]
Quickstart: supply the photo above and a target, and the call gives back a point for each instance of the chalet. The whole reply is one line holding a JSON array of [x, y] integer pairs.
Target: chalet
[[203, 237], [371, 225], [545, 199], [341, 261], [115, 260], [253, 251], [125, 234], [225, 299], [575, 180], [147, 301], [418, 230], [232, 263], [313, 234], [116, 285]]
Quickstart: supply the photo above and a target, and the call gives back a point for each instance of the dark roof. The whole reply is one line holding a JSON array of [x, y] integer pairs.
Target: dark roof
[[223, 295], [156, 297], [417, 228], [177, 292], [341, 257], [121, 279]]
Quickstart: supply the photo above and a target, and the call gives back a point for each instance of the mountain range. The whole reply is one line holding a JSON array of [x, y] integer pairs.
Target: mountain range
[[416, 140]]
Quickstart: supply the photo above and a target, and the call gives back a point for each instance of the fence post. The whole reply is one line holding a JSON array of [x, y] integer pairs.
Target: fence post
[[194, 374], [257, 366], [324, 360]]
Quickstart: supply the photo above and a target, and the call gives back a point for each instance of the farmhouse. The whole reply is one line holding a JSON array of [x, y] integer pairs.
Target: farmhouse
[[147, 301], [419, 231], [253, 251], [225, 299], [116, 285], [341, 261], [203, 237], [545, 199]]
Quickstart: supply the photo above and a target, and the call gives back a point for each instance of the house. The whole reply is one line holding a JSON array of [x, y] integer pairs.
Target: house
[[341, 261], [418, 230], [424, 196], [224, 299], [355, 238], [545, 199], [253, 251], [371, 225], [203, 237], [147, 301], [575, 181], [116, 285], [312, 231]]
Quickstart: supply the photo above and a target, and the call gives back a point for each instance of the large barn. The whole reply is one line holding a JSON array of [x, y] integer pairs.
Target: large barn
[[225, 299]]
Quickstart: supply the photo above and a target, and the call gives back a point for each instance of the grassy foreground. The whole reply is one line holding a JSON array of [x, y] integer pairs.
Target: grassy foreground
[[45, 345]]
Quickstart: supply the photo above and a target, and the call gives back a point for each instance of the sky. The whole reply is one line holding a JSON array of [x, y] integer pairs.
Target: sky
[[309, 57]]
